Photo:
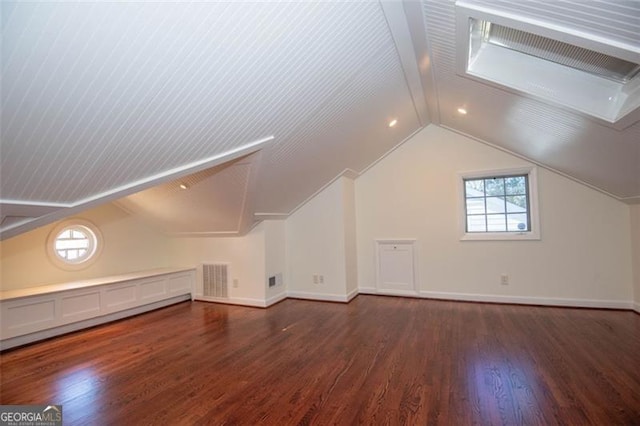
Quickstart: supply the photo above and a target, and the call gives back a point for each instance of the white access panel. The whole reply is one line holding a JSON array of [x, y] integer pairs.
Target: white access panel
[[396, 266]]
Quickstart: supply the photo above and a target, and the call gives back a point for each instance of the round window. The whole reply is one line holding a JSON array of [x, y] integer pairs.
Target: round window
[[74, 244]]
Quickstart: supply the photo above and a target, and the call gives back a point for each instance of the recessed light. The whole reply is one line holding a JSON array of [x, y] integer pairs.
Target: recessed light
[[183, 186], [462, 111], [393, 122]]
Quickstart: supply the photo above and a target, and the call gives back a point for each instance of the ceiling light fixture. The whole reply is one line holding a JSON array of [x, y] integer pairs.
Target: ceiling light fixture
[[462, 111], [393, 122], [183, 186]]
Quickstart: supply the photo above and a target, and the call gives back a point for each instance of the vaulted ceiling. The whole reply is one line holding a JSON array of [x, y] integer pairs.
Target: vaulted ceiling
[[255, 106]]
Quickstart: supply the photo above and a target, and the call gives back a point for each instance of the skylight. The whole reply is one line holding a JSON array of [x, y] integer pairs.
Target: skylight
[[590, 75], [557, 51]]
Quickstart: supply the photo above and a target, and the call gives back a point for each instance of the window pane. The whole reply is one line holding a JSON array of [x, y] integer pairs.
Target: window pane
[[517, 222], [71, 244], [81, 243], [75, 244], [64, 244], [516, 185], [517, 204], [474, 188], [496, 223], [475, 206], [495, 205], [494, 186], [476, 224]]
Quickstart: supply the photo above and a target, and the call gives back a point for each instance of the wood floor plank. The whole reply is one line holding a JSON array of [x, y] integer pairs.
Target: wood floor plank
[[376, 360]]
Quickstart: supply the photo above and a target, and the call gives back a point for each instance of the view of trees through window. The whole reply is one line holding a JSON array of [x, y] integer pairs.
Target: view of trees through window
[[497, 204]]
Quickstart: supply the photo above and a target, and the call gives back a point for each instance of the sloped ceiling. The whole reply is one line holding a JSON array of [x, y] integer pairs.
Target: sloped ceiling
[[212, 202], [561, 139], [101, 96], [102, 100]]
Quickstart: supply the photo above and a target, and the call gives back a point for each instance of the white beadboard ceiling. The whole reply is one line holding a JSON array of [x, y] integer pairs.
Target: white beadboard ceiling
[[260, 104], [213, 202], [606, 158]]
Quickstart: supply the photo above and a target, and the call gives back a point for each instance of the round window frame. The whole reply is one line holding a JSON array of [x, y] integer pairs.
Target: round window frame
[[94, 232]]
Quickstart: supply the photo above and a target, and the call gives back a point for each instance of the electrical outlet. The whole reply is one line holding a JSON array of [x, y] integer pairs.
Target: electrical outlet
[[504, 279], [235, 283], [315, 279], [321, 279]]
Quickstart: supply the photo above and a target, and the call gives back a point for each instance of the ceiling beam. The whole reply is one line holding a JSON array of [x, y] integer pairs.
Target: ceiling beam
[[422, 50], [397, 21]]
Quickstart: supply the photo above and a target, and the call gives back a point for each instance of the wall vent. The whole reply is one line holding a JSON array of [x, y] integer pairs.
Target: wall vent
[[215, 282], [274, 280]]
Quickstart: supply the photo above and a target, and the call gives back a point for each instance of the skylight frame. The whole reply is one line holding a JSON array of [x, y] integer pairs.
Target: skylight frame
[[606, 101], [580, 55]]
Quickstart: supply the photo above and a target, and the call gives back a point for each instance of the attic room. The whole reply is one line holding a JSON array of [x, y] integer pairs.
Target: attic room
[[373, 212]]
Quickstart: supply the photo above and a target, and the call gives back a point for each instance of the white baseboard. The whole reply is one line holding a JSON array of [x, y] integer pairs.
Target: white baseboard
[[259, 303], [275, 299], [526, 300], [467, 297], [519, 300], [57, 331], [401, 293], [353, 293], [242, 301], [322, 296]]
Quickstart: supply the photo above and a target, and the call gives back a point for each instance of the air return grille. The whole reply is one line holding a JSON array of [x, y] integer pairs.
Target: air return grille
[[214, 280], [559, 52]]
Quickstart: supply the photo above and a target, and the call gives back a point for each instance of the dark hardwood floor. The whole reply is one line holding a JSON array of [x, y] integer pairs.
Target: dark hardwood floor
[[377, 360]]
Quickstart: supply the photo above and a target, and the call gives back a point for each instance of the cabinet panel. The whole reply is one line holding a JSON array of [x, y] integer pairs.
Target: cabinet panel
[[152, 290], [36, 316], [76, 307], [26, 316], [396, 266]]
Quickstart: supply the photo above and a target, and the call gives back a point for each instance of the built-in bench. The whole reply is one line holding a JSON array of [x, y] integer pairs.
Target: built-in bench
[[36, 313]]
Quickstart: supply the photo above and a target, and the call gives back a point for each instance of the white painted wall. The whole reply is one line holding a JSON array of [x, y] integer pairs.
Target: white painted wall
[[129, 245], [245, 256], [350, 241], [635, 241], [275, 258], [584, 254], [316, 245], [252, 258]]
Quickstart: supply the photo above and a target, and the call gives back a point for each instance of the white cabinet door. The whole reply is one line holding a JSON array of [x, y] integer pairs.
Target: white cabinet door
[[396, 272]]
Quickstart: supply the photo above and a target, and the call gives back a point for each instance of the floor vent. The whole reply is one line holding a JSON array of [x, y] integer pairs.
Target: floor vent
[[214, 280]]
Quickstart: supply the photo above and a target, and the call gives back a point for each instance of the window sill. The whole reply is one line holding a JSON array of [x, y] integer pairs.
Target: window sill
[[500, 236]]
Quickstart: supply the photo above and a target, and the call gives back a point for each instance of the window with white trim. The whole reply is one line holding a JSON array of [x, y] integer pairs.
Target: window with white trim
[[74, 244], [500, 205]]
